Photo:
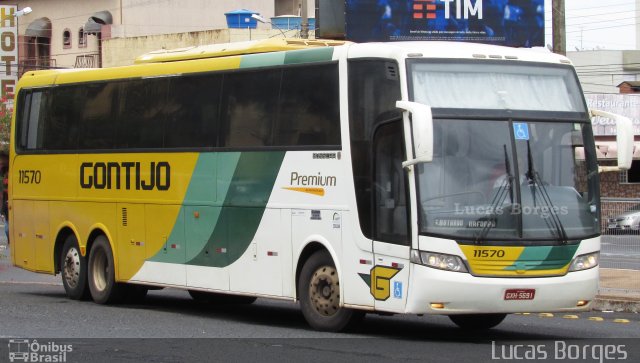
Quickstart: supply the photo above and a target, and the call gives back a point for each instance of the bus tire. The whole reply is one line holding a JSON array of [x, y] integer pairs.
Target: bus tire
[[102, 280], [319, 294], [73, 269], [221, 299], [477, 321]]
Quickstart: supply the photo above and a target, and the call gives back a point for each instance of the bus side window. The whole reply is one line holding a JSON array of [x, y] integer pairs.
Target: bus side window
[[30, 126], [251, 99], [62, 121], [308, 110], [374, 88], [391, 217], [23, 117]]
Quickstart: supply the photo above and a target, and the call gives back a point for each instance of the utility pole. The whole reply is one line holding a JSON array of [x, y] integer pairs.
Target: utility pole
[[304, 24], [558, 27]]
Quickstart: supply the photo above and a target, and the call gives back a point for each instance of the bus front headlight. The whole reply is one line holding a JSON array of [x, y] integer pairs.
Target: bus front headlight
[[440, 261], [585, 262]]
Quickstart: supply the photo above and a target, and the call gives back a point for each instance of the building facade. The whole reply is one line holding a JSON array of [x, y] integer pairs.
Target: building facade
[[74, 33], [601, 71]]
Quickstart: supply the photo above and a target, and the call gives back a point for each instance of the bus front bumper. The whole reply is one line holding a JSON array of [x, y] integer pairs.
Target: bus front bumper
[[443, 292]]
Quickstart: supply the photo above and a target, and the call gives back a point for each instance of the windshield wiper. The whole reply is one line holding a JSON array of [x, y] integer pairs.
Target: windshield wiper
[[534, 180], [498, 199]]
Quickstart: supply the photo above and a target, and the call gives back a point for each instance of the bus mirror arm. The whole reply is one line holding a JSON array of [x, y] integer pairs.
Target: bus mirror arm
[[624, 140], [422, 131]]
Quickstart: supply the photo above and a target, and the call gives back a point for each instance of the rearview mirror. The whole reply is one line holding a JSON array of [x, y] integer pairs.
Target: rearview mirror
[[422, 131], [624, 139]]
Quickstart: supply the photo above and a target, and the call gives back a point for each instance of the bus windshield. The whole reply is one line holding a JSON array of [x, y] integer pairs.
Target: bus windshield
[[480, 187], [504, 177]]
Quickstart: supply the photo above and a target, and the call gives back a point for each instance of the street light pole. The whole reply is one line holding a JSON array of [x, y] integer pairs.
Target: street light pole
[[304, 24], [558, 27]]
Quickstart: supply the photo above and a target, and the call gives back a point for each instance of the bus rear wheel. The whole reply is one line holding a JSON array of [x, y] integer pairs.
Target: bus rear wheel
[[102, 281], [73, 269], [477, 321], [319, 293]]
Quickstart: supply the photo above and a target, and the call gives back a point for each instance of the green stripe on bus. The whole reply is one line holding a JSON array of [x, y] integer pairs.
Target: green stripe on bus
[[544, 258], [323, 54], [209, 184], [262, 60], [243, 208]]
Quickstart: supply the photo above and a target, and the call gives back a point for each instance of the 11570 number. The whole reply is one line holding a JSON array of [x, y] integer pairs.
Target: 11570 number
[[488, 253], [29, 176]]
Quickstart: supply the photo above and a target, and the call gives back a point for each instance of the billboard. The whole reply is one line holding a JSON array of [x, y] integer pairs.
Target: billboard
[[516, 23], [8, 51]]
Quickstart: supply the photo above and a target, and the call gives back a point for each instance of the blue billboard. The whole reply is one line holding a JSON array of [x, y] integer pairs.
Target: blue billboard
[[516, 23]]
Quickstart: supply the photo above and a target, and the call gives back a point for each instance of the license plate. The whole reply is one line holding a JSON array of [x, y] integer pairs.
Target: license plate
[[612, 225], [519, 294]]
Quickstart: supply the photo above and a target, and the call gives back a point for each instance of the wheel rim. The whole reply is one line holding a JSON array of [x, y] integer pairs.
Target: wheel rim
[[71, 268], [100, 269], [324, 291]]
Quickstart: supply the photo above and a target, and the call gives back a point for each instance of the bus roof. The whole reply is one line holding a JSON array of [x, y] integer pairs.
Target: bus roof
[[231, 49], [457, 50]]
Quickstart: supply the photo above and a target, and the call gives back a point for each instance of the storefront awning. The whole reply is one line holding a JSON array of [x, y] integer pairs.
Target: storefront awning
[[39, 28], [96, 21]]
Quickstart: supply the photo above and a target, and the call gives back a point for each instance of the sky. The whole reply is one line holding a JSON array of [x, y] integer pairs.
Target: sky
[[596, 24]]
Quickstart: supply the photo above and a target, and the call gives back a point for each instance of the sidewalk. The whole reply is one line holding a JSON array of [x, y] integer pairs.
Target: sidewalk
[[619, 290]]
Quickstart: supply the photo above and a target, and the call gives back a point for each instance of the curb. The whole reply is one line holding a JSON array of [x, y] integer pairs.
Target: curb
[[616, 303]]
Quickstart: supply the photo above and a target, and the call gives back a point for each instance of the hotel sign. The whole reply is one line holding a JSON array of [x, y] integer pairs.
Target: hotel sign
[[8, 51]]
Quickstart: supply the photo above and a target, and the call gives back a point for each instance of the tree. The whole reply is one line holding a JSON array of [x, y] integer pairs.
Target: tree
[[6, 110]]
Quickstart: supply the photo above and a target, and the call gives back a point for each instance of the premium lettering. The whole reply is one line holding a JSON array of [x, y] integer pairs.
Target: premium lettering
[[313, 180], [126, 175]]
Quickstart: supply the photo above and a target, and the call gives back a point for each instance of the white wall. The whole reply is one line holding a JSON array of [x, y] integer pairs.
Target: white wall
[[601, 71], [144, 17]]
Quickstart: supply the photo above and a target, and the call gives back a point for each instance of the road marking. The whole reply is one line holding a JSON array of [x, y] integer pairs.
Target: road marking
[[596, 318], [545, 315], [570, 317], [31, 283], [621, 321]]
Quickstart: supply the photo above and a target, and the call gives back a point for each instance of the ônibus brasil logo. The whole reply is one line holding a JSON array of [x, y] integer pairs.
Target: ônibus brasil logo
[[25, 350]]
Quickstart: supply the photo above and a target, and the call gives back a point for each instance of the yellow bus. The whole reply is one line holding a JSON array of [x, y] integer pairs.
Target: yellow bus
[[412, 177]]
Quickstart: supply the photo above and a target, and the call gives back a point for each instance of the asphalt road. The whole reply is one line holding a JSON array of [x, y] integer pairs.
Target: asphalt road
[[35, 310]]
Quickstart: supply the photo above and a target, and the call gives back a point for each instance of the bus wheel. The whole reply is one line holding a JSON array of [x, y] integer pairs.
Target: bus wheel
[[319, 293], [221, 299], [102, 280], [73, 269], [477, 322]]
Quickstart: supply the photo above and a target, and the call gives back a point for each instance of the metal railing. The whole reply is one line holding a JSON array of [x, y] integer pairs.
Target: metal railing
[[36, 64], [620, 247], [87, 61]]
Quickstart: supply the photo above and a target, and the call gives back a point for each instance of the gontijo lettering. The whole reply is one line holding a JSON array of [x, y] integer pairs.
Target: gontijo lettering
[[126, 175]]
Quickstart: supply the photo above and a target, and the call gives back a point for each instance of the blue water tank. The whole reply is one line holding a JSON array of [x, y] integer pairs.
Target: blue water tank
[[241, 19]]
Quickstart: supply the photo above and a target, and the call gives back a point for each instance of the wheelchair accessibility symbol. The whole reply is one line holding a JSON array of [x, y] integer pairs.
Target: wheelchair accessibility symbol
[[521, 130], [397, 289]]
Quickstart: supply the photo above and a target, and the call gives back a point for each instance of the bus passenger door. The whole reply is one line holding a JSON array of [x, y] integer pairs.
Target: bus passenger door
[[391, 245]]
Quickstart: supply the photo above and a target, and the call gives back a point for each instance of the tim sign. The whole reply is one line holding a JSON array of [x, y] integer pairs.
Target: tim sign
[[518, 23], [8, 50]]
